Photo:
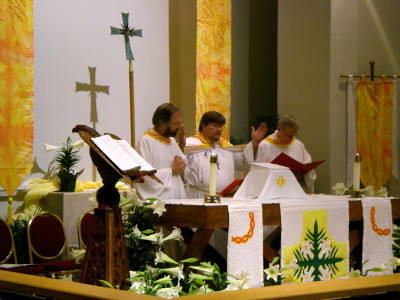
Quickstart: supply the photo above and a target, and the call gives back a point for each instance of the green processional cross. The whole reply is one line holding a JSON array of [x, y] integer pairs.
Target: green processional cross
[[128, 32]]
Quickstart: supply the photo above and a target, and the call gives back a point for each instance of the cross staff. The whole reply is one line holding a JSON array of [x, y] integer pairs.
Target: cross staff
[[127, 32]]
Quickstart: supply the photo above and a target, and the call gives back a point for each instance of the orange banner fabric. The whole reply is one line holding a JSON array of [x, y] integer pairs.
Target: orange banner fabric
[[374, 131], [213, 59], [16, 92]]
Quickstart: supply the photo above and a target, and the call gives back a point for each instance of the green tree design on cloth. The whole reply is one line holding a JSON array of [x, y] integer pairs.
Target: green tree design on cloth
[[318, 256]]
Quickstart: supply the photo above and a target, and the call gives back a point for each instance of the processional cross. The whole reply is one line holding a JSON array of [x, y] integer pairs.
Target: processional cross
[[127, 32]]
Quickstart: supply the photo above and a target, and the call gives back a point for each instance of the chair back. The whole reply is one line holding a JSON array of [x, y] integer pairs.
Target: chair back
[[7, 247], [85, 228], [46, 237]]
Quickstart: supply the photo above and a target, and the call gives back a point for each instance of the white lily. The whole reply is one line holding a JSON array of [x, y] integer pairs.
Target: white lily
[[291, 266], [78, 144], [339, 188], [155, 237], [161, 257], [78, 254], [48, 147], [176, 235], [158, 207], [242, 280], [230, 287], [273, 272], [168, 293], [138, 286], [133, 274], [395, 262], [166, 280], [204, 289], [176, 271], [382, 192], [136, 231], [204, 270]]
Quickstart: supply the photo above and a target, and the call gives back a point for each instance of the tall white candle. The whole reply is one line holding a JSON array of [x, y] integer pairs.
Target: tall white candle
[[357, 171], [213, 174]]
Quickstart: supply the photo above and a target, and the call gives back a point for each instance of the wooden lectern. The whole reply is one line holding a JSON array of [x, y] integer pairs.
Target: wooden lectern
[[106, 256]]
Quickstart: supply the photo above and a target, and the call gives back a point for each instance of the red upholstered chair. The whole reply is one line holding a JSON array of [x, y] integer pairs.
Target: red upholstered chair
[[47, 242], [8, 253], [84, 228], [7, 248]]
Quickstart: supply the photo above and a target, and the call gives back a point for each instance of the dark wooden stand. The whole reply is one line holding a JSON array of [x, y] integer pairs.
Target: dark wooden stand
[[106, 255]]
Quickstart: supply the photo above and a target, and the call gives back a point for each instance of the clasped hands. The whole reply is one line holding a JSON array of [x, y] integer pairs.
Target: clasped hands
[[178, 166]]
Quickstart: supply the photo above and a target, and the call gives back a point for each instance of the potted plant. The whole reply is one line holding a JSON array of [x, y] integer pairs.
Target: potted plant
[[66, 159]]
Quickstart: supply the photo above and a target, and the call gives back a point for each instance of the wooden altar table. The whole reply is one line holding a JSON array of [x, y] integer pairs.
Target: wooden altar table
[[206, 218]]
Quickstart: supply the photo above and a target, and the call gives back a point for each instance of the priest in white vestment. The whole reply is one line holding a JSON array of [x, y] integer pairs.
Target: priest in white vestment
[[209, 141], [283, 140], [159, 148]]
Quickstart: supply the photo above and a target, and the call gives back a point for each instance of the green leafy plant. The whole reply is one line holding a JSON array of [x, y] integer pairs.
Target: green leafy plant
[[19, 229], [67, 156]]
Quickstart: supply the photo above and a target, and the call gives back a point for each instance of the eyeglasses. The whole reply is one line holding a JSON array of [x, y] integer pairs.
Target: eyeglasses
[[216, 126]]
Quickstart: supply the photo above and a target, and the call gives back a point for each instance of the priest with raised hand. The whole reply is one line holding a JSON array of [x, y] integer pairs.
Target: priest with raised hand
[[284, 140], [160, 149], [209, 141]]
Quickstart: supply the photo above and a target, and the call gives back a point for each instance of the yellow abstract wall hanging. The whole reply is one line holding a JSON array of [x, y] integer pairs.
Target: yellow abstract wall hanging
[[374, 131], [16, 94], [213, 59]]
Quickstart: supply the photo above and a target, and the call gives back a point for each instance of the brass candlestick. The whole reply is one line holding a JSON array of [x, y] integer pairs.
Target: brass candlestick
[[212, 199]]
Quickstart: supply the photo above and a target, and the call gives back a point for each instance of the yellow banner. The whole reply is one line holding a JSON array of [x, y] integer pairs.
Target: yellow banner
[[16, 92], [374, 131], [213, 59]]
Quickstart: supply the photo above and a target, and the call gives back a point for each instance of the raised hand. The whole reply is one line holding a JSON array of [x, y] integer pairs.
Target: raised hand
[[258, 135]]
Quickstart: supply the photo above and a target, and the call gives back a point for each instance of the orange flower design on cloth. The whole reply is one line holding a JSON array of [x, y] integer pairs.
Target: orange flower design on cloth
[[271, 140], [375, 227], [155, 135], [213, 59], [16, 95], [245, 238]]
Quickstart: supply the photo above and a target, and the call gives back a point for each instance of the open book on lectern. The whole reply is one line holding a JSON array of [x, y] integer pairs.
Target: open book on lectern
[[120, 153]]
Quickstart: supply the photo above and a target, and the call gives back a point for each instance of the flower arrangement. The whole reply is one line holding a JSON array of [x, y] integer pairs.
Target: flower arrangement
[[65, 163], [19, 229], [155, 273], [341, 189]]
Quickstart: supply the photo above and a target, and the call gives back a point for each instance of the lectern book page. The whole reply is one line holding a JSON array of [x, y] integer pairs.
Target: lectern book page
[[121, 153]]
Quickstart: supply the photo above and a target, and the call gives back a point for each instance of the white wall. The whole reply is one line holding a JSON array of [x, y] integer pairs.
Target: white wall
[[72, 35]]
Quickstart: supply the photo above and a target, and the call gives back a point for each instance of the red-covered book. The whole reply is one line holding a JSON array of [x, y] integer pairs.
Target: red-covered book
[[231, 189], [294, 165]]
